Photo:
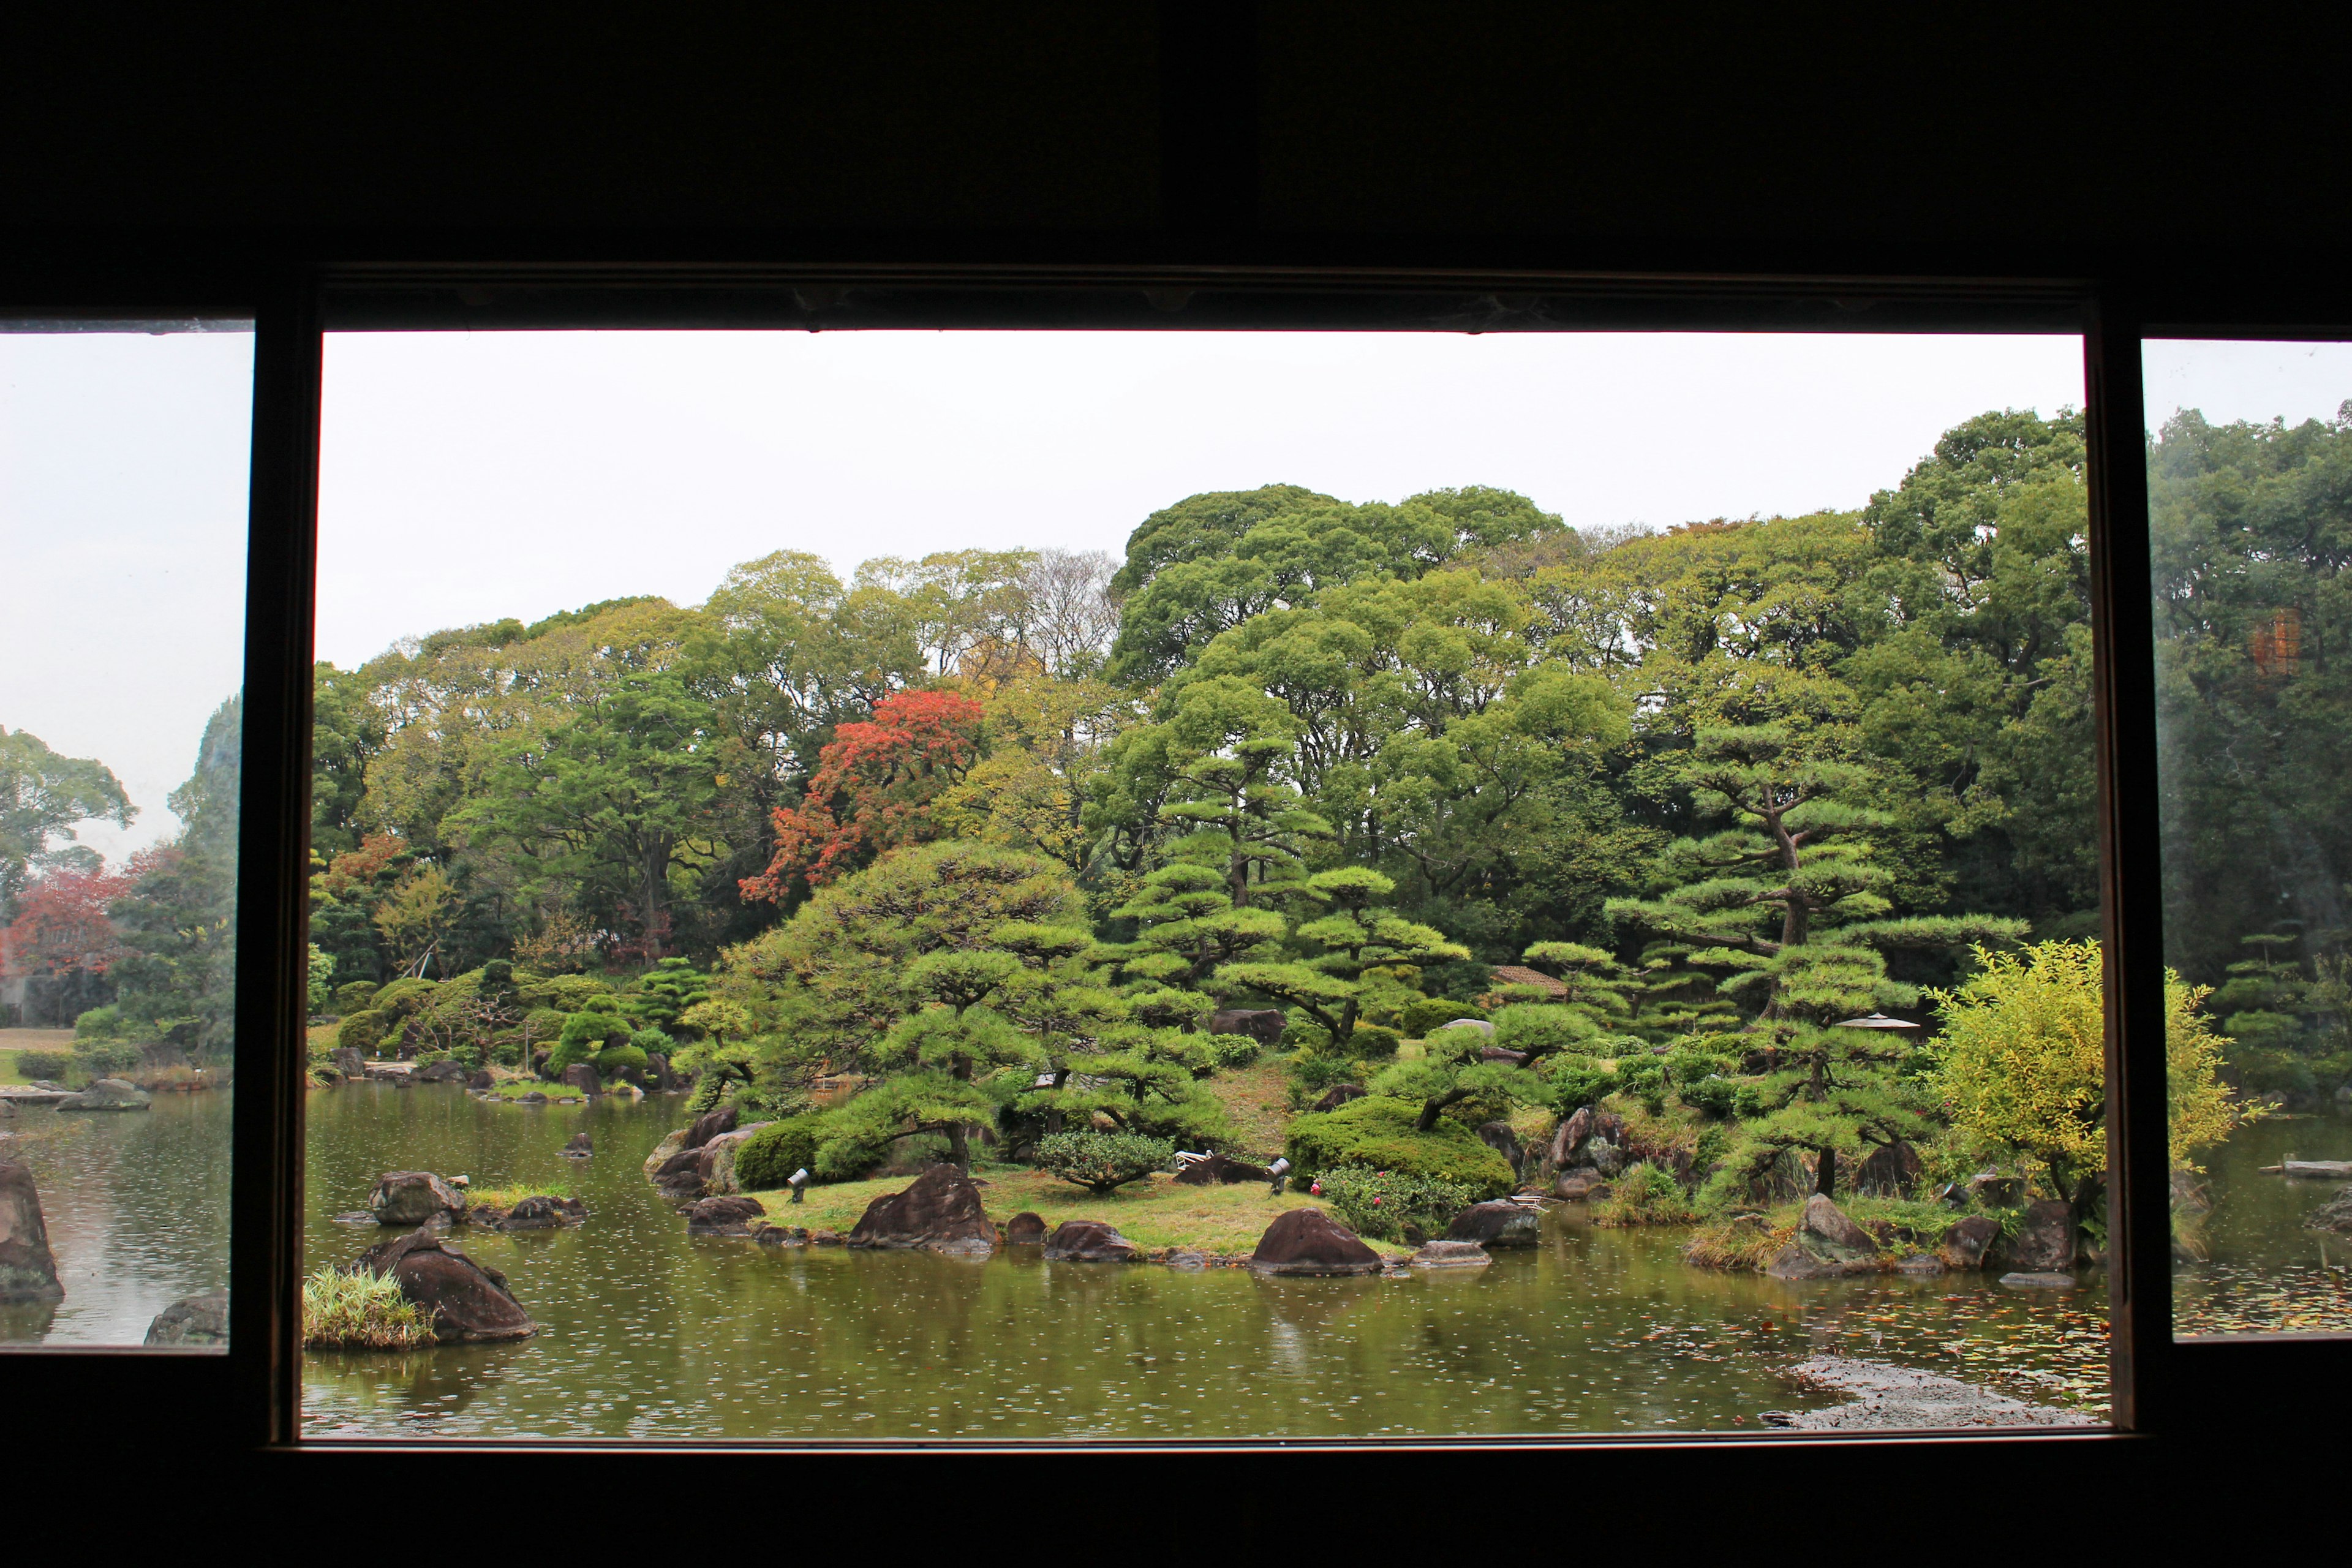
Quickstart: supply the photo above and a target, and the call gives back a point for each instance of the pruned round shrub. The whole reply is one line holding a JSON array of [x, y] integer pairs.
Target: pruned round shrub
[[105, 1058], [1435, 1013], [1544, 1027], [100, 1024], [1378, 1131], [1374, 1043], [816, 1141], [365, 1031], [50, 1065], [1234, 1050], [614, 1058], [1102, 1162], [355, 997], [1392, 1204], [404, 997]]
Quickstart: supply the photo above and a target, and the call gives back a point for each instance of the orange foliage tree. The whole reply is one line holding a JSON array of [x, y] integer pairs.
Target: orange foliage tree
[[61, 923], [872, 789]]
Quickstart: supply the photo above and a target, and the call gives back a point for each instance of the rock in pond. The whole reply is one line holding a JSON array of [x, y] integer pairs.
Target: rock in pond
[[709, 1125], [107, 1094], [781, 1235], [2045, 1243], [1186, 1260], [1451, 1255], [1970, 1241], [348, 1062], [465, 1301], [1827, 1245], [540, 1211], [823, 1237], [583, 1076], [715, 1161], [1340, 1096], [2038, 1280], [580, 1148], [729, 1216], [27, 1270], [444, 1071], [1088, 1241], [482, 1079], [1217, 1169], [2335, 1214], [192, 1320], [1577, 1186], [412, 1197], [1025, 1229], [1498, 1222], [665, 1152], [1310, 1241], [940, 1213]]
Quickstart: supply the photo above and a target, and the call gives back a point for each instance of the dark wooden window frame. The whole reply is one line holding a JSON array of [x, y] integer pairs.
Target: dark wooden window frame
[[248, 1398]]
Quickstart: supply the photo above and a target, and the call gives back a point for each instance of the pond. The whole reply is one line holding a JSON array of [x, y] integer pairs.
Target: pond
[[647, 1332]]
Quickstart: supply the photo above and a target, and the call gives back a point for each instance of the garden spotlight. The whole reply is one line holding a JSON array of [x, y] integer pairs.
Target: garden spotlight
[[799, 1183], [1280, 1170]]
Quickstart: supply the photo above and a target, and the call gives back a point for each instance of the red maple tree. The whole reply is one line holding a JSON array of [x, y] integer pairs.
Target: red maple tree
[[61, 925], [871, 789]]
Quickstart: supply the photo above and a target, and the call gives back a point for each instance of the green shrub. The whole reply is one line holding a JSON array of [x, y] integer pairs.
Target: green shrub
[[105, 1060], [1577, 1081], [1102, 1162], [100, 1026], [563, 993], [1374, 1043], [1713, 1094], [50, 1065], [404, 997], [1234, 1050], [1392, 1204], [1645, 1078], [589, 1033], [613, 1058], [1544, 1026], [814, 1141], [355, 997], [1378, 1131], [365, 1031], [1434, 1012], [1314, 1073]]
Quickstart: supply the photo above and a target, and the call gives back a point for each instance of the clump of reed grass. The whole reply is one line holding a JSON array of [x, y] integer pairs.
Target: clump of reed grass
[[1644, 1195], [360, 1312], [508, 1196], [1743, 1241]]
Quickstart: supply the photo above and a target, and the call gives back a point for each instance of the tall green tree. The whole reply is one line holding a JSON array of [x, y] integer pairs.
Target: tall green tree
[[42, 796]]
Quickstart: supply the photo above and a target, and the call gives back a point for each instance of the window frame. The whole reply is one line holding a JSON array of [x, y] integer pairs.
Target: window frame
[[2160, 1386]]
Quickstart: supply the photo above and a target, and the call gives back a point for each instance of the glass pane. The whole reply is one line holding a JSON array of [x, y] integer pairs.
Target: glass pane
[[122, 528], [928, 760], [2250, 477]]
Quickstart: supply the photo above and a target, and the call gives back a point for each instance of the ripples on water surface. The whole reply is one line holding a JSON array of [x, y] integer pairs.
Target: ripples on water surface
[[136, 1202], [648, 1333]]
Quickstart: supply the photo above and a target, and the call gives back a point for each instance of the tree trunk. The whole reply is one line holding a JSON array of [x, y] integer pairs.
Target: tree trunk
[[1825, 1173], [959, 1146]]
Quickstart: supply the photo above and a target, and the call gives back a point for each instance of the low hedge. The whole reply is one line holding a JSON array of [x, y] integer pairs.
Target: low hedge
[[1377, 1132], [769, 1157], [50, 1065]]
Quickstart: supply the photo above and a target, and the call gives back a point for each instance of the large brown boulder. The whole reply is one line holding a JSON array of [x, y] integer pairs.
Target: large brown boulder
[[1497, 1223], [1892, 1170], [583, 1076], [1588, 1139], [1217, 1169], [27, 1270], [412, 1197], [723, 1217], [348, 1062], [2335, 1214], [1827, 1245], [2045, 1243], [442, 1071], [540, 1212], [1264, 1025], [1090, 1241], [709, 1125], [1310, 1241], [940, 1213], [192, 1320], [715, 1161], [1498, 1136], [668, 1149], [1025, 1229], [465, 1301], [1971, 1241]]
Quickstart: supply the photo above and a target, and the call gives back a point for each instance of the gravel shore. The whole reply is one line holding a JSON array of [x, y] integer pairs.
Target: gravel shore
[[1887, 1398]]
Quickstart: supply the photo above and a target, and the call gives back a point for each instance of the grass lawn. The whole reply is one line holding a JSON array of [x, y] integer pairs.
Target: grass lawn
[[1226, 1219], [14, 1041], [1257, 1097]]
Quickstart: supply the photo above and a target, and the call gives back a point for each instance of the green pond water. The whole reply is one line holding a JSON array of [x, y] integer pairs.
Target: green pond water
[[647, 1332]]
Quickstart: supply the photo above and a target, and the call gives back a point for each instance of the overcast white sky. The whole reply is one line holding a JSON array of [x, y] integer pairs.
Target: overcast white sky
[[469, 477]]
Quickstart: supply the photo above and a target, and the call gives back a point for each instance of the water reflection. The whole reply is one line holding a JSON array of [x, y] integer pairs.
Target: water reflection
[[649, 1333]]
